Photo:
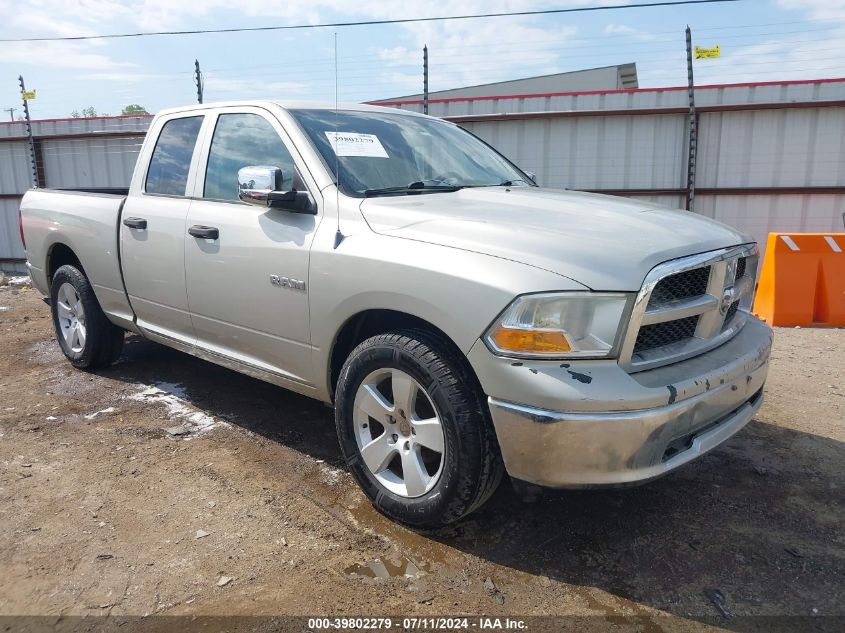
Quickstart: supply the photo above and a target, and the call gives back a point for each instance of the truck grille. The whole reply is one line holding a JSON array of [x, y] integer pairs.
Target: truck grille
[[740, 267], [688, 306], [666, 333], [690, 283]]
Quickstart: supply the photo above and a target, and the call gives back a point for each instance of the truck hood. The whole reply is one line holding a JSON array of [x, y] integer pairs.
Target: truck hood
[[603, 242]]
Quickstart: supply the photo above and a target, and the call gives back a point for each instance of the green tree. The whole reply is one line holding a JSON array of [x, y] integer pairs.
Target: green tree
[[134, 108], [85, 112]]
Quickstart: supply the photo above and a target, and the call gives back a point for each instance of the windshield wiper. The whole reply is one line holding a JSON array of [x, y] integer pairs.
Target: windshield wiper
[[414, 187], [504, 183]]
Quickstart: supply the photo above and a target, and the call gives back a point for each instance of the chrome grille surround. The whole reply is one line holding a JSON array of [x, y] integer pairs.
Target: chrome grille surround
[[717, 320], [690, 283]]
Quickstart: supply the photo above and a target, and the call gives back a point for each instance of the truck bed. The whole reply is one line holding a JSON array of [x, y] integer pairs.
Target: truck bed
[[88, 221]]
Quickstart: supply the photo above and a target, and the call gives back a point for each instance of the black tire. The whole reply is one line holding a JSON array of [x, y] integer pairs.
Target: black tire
[[103, 339], [472, 467]]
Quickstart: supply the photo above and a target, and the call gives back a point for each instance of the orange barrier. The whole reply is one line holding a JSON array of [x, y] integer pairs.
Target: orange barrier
[[803, 280]]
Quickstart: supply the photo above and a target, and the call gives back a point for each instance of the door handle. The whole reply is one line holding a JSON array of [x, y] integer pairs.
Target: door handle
[[135, 223], [204, 232]]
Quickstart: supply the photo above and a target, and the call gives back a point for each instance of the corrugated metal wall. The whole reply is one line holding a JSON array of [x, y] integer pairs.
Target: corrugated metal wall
[[97, 162], [10, 241], [97, 152], [645, 98], [15, 178], [620, 152], [783, 213], [736, 151], [771, 157], [772, 148]]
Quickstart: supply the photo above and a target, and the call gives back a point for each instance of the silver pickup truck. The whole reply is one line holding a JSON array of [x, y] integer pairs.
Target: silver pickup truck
[[462, 321]]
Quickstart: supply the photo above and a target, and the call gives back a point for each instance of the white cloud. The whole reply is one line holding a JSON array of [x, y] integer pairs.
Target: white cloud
[[398, 54], [818, 9], [60, 55], [814, 49], [627, 31], [618, 29], [776, 60], [86, 17], [471, 52], [219, 88], [52, 18], [121, 77], [817, 53], [462, 52]]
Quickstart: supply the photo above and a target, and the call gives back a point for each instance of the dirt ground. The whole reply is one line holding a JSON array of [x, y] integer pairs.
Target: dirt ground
[[141, 489]]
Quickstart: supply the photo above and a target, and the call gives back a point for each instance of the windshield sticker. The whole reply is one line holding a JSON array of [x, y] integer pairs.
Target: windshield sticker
[[356, 144]]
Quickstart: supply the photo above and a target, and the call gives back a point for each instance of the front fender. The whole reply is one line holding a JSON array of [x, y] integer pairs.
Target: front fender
[[459, 292]]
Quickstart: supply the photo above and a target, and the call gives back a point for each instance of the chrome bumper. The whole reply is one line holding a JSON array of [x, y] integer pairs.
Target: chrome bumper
[[710, 398]]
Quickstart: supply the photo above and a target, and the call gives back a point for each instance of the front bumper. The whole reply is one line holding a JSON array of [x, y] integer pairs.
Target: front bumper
[[590, 423]]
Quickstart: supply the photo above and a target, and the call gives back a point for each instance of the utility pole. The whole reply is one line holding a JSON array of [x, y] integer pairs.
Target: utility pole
[[198, 80], [11, 112], [425, 79], [29, 138], [693, 128]]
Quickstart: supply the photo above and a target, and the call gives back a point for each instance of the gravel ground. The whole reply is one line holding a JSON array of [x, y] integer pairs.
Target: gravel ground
[[167, 485]]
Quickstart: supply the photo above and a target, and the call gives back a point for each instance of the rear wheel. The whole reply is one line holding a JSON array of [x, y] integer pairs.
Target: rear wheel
[[415, 430], [86, 336]]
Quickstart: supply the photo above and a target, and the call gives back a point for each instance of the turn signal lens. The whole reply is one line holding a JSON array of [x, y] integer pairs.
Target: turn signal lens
[[532, 341]]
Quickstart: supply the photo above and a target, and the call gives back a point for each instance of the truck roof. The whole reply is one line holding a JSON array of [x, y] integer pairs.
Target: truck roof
[[290, 105]]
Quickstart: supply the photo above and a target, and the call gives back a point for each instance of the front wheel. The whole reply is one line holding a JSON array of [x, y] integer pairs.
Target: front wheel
[[415, 430], [86, 336]]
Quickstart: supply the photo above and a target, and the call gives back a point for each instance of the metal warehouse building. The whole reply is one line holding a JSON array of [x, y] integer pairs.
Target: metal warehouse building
[[620, 77], [771, 156]]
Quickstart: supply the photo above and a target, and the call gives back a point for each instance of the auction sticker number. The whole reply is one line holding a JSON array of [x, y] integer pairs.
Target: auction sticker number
[[316, 624], [356, 144]]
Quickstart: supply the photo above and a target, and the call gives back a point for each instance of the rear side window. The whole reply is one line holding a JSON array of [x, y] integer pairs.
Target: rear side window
[[242, 140], [171, 161]]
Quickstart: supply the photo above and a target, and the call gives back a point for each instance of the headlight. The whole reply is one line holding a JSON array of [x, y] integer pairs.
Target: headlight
[[559, 325]]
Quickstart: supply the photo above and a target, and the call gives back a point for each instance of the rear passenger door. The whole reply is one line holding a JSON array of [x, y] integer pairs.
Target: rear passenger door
[[238, 307], [152, 230]]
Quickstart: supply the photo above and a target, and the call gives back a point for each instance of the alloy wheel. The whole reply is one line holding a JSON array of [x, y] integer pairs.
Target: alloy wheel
[[399, 432]]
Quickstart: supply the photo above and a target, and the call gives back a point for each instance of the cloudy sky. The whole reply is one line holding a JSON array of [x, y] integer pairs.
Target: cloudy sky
[[761, 40]]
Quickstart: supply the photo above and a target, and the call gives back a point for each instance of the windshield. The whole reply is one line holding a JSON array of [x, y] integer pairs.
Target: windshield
[[395, 154]]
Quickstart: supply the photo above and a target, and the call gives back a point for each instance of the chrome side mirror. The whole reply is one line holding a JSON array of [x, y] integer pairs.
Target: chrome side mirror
[[257, 182], [531, 176]]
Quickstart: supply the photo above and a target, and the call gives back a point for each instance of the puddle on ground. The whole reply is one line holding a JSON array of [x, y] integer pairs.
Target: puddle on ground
[[424, 545], [378, 568], [622, 617]]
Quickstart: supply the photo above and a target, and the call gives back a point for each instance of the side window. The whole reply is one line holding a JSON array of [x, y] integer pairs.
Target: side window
[[171, 161], [241, 140]]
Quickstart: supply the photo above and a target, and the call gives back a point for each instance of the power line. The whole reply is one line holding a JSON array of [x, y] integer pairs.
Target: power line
[[641, 5], [539, 47], [468, 62]]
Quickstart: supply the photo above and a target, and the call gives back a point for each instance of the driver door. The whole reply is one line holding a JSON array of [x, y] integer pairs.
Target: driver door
[[238, 308]]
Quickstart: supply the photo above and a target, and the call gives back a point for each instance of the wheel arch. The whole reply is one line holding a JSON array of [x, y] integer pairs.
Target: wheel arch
[[60, 254], [371, 322]]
